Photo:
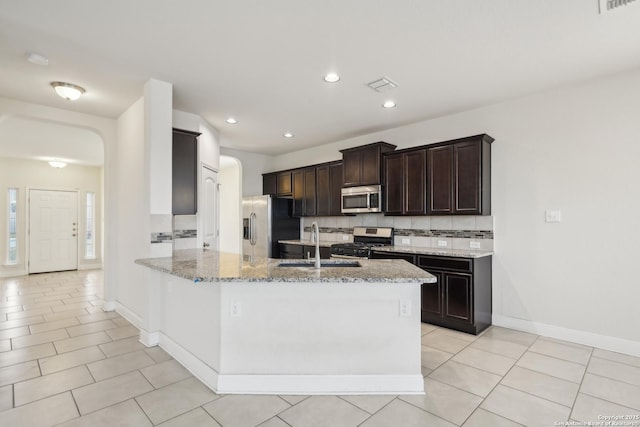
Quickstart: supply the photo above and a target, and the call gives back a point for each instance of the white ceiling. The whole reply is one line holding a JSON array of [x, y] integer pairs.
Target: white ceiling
[[263, 61]]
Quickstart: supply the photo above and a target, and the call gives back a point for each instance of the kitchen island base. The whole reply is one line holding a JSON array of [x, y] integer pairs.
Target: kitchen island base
[[289, 337]]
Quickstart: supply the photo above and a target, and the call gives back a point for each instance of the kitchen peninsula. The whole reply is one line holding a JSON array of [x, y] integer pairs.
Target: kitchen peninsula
[[255, 326]]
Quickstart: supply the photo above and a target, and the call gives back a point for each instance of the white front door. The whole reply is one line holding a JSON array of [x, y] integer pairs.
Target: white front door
[[53, 231], [209, 210]]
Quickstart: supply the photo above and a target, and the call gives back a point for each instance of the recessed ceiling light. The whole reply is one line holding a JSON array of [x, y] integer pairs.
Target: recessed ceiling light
[[331, 78], [288, 135], [389, 104], [36, 58], [68, 91], [231, 121], [57, 164]]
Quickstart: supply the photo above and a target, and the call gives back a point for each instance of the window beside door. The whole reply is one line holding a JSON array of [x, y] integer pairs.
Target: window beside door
[[90, 236], [12, 215]]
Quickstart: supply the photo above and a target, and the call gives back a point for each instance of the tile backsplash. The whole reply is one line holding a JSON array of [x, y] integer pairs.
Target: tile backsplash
[[457, 232], [181, 231]]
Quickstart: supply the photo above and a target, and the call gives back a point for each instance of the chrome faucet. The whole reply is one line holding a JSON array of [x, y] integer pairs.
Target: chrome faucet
[[315, 234]]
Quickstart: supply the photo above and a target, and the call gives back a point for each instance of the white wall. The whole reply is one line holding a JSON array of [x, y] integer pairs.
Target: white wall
[[208, 141], [230, 211], [158, 98], [253, 166], [575, 149], [22, 174], [132, 210]]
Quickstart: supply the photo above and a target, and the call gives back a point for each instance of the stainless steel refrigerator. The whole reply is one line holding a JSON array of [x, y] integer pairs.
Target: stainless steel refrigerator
[[265, 220]]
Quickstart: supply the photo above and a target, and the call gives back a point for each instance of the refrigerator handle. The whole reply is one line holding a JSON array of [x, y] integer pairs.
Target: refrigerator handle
[[253, 228]]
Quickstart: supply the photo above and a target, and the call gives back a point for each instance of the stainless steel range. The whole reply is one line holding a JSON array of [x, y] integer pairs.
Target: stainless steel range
[[364, 238]]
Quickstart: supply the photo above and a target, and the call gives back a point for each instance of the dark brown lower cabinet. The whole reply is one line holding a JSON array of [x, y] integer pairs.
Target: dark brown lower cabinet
[[290, 251], [460, 299], [293, 251]]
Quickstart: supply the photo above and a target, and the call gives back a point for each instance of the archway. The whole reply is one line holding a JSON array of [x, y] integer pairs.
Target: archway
[[26, 145]]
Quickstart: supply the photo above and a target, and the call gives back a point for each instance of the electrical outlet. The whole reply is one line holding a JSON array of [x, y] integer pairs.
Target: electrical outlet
[[405, 308], [406, 241], [345, 238], [474, 245], [442, 243], [236, 309]]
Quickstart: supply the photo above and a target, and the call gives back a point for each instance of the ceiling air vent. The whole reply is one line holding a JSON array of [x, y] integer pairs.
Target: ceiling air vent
[[608, 5], [383, 84]]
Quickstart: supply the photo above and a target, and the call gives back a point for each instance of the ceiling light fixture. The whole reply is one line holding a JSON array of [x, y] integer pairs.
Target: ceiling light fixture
[[68, 91], [288, 135], [331, 78], [389, 104], [231, 121], [36, 58], [57, 164]]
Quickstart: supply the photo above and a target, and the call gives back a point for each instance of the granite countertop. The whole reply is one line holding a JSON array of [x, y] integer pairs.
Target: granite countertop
[[462, 253], [306, 243], [203, 265]]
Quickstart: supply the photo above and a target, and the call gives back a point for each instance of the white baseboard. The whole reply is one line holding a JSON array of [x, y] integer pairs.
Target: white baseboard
[[205, 373], [125, 312], [292, 384], [23, 272], [605, 342], [149, 339], [90, 266], [321, 384], [12, 273], [109, 305]]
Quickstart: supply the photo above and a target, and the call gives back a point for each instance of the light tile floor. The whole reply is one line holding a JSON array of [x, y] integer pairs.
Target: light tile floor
[[64, 361]]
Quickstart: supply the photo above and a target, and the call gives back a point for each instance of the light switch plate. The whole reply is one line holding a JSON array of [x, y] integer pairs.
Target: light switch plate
[[345, 237], [474, 245], [442, 243], [553, 216], [406, 241]]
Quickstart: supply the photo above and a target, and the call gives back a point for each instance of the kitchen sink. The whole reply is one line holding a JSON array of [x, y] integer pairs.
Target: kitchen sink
[[323, 263]]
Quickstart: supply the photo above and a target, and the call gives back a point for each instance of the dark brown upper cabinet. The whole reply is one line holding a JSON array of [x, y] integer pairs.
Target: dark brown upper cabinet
[[363, 165], [184, 172], [309, 205], [304, 191], [297, 178], [277, 184], [269, 183], [459, 177], [284, 184], [405, 182], [328, 189]]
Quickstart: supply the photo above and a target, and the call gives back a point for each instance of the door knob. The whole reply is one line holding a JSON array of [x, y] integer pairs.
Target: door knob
[[73, 235]]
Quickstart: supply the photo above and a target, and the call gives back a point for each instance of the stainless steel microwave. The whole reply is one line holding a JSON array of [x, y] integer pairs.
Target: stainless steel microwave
[[362, 199]]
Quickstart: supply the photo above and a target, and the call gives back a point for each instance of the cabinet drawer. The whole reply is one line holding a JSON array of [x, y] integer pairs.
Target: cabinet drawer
[[445, 263]]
